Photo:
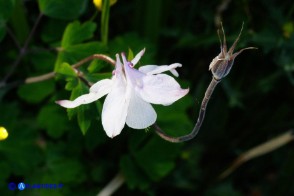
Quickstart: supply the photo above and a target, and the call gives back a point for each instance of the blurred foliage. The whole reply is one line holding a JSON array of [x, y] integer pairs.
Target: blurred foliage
[[251, 105]]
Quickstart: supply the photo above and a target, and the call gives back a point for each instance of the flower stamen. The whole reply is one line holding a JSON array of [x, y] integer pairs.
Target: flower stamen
[[130, 64]]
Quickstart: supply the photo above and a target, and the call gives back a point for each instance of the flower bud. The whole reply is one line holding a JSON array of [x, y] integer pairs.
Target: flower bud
[[221, 65]]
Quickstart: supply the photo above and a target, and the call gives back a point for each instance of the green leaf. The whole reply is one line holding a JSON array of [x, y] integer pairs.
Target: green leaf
[[98, 76], [76, 33], [66, 70], [64, 170], [71, 83], [168, 117], [130, 55], [225, 189], [96, 65], [36, 92], [43, 61], [80, 51], [75, 53], [157, 163], [85, 113], [73, 50], [95, 135], [136, 43], [133, 174], [53, 120], [26, 155], [6, 8], [83, 119], [19, 22], [2, 29], [65, 9], [5, 170], [100, 170]]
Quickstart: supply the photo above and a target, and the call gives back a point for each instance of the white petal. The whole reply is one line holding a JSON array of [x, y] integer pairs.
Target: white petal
[[154, 69], [138, 57], [140, 113], [115, 107], [98, 90], [133, 76], [174, 72], [118, 64], [102, 87], [84, 99], [160, 89], [147, 68]]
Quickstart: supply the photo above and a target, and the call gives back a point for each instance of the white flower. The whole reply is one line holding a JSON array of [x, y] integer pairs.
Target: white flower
[[130, 93]]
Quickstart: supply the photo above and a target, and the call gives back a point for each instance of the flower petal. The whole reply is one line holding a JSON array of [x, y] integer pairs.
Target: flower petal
[[140, 113], [118, 64], [138, 57], [84, 99], [115, 107], [98, 90], [160, 89], [154, 69], [102, 87]]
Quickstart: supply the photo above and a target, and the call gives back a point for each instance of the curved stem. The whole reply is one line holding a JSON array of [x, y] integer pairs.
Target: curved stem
[[50, 75], [200, 119], [95, 56], [78, 64]]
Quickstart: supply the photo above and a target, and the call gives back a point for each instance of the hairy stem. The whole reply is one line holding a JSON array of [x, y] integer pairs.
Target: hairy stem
[[200, 119]]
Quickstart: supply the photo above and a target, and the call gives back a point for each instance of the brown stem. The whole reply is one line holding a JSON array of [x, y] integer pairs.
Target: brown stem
[[200, 119], [78, 64], [95, 56]]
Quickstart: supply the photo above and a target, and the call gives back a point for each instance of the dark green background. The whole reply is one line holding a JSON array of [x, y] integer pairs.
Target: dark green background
[[253, 104]]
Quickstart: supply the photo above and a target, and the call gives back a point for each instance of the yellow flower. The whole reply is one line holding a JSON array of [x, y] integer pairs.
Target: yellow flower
[[3, 133], [98, 3]]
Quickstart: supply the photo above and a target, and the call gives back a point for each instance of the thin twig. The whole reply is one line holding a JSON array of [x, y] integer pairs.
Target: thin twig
[[50, 75], [200, 119], [28, 40], [112, 186], [13, 37], [95, 56], [259, 150], [23, 50]]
